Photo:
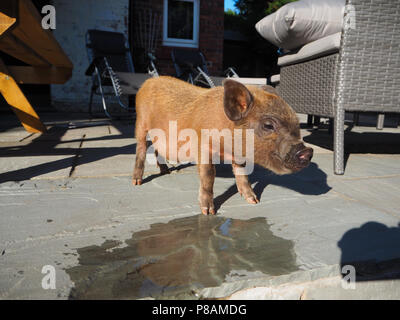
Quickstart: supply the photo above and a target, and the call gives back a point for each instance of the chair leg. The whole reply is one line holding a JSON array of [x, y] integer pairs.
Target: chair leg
[[330, 126], [103, 99], [356, 118], [309, 120], [380, 121], [338, 143]]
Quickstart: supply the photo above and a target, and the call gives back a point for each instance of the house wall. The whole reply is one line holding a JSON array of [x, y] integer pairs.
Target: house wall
[[211, 34], [73, 19]]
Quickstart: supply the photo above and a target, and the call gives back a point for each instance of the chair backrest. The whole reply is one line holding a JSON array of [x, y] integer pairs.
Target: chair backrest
[[111, 45], [187, 61]]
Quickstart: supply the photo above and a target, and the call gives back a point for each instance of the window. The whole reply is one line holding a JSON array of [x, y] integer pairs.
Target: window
[[181, 23]]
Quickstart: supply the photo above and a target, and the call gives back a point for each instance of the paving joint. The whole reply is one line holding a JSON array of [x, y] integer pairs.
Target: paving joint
[[77, 156]]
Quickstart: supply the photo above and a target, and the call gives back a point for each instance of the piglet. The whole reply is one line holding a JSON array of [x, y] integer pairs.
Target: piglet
[[191, 124]]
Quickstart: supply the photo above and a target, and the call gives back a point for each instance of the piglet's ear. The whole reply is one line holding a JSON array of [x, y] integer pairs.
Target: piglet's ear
[[237, 100]]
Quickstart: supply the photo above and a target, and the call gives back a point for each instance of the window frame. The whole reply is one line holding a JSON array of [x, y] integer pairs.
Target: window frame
[[176, 42]]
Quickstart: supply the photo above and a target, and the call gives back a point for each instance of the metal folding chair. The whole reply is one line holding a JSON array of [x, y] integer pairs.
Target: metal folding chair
[[191, 66], [111, 66]]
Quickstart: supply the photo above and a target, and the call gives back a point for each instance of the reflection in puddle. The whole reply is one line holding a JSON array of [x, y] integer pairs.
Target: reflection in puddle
[[173, 258]]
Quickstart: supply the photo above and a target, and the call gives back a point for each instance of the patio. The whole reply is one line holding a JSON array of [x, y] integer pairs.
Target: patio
[[67, 201]]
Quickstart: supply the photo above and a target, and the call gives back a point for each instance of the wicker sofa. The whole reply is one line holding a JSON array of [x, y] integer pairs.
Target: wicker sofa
[[363, 75]]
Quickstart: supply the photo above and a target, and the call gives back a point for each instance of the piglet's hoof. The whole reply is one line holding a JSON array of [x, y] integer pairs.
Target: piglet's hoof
[[249, 195], [136, 182], [206, 211], [252, 200]]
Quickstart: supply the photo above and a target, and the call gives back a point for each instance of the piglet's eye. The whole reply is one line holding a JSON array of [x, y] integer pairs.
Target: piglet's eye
[[268, 126]]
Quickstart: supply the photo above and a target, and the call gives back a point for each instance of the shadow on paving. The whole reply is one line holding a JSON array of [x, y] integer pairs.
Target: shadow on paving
[[358, 142], [262, 177], [373, 250], [45, 145]]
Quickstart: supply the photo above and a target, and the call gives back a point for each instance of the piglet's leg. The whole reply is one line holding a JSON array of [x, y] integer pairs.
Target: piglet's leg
[[243, 185], [141, 148], [206, 194]]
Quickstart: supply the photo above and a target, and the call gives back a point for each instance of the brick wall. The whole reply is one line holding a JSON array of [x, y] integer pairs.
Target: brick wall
[[211, 35]]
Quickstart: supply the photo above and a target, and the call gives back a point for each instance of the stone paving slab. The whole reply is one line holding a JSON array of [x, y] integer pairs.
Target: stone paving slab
[[357, 166], [97, 155], [35, 160], [382, 193], [15, 134], [110, 209]]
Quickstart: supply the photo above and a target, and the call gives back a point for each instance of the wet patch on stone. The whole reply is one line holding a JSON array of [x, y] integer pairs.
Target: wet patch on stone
[[180, 256]]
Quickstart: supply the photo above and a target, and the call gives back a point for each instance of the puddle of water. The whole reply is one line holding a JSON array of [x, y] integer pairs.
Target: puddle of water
[[174, 258]]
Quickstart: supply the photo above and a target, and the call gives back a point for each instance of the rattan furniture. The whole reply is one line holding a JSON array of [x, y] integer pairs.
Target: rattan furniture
[[363, 76]]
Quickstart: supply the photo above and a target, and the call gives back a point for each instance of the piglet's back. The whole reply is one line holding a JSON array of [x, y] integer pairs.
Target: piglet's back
[[166, 94]]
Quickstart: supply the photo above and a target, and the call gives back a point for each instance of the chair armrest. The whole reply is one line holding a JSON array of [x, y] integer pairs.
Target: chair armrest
[[95, 63], [89, 71]]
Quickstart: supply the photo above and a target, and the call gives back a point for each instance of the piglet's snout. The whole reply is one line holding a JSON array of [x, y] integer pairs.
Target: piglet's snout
[[304, 156]]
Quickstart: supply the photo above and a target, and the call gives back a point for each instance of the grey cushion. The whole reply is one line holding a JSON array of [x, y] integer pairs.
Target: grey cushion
[[312, 50], [275, 79], [246, 81], [302, 22]]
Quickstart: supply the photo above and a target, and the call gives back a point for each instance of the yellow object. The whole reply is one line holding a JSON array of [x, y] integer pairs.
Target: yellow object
[[19, 104], [5, 22], [22, 36]]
